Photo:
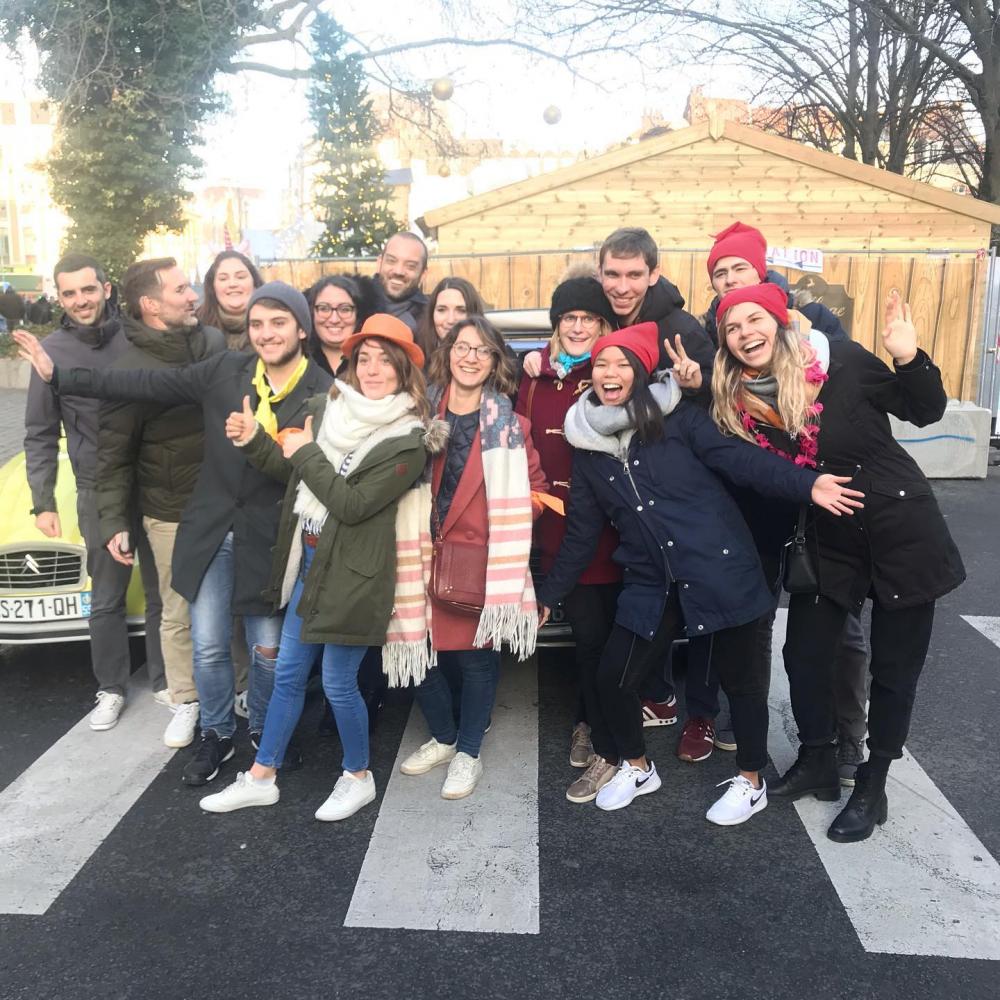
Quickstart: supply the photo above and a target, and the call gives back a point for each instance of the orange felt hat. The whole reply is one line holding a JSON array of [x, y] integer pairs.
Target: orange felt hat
[[385, 327]]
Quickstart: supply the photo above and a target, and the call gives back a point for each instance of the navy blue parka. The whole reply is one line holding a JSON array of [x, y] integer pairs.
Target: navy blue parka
[[677, 524]]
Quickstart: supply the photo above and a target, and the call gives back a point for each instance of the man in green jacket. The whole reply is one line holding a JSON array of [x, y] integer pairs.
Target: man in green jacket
[[155, 451]]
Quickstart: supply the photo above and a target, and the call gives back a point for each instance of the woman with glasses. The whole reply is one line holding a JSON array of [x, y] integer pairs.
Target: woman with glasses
[[340, 305], [453, 299], [580, 314], [481, 517]]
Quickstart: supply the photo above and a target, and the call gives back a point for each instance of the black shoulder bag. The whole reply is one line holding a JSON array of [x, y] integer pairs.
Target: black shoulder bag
[[800, 573]]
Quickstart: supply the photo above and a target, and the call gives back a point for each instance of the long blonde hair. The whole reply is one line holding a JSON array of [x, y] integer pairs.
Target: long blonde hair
[[790, 358]]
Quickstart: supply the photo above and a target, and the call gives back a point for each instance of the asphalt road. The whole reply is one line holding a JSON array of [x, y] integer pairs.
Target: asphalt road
[[173, 903]]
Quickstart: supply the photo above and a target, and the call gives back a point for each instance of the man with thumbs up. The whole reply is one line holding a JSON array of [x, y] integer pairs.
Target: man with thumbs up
[[222, 554]]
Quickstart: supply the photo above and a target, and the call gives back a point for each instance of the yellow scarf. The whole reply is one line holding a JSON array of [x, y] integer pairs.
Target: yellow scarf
[[265, 416]]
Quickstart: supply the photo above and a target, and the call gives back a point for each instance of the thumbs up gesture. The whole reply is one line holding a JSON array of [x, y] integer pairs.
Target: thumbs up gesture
[[292, 439], [241, 425]]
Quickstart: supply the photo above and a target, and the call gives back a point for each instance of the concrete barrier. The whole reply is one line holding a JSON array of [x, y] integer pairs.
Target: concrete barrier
[[14, 374], [956, 447]]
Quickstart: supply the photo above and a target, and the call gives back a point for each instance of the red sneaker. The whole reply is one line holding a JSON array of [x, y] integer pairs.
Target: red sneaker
[[659, 713], [697, 739]]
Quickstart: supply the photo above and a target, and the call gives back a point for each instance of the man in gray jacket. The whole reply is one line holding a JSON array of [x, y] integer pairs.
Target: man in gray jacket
[[90, 334]]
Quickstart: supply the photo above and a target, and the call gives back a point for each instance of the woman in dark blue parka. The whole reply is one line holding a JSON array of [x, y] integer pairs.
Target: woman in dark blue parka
[[651, 464]]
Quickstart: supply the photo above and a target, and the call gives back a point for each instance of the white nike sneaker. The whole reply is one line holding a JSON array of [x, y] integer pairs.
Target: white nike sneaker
[[105, 714], [740, 801], [629, 782], [243, 792], [180, 729]]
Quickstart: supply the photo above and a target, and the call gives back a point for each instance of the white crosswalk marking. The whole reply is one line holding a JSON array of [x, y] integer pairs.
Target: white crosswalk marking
[[990, 627], [58, 811], [923, 884], [470, 865]]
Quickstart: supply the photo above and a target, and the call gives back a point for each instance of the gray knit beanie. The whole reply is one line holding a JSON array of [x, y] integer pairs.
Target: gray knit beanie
[[291, 298]]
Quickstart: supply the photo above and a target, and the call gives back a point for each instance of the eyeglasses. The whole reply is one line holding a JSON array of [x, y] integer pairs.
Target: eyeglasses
[[345, 310], [460, 349], [587, 320]]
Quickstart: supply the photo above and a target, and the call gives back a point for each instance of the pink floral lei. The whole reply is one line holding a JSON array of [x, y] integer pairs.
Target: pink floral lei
[[808, 437]]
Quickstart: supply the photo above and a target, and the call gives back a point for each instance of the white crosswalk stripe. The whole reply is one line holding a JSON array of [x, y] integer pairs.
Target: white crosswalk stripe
[[988, 626], [923, 884]]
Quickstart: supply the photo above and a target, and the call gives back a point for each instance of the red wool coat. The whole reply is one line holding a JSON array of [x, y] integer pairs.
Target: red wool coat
[[545, 401], [467, 519]]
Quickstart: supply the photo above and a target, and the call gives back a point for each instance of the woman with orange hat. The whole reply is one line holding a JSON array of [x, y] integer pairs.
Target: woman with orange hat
[[651, 464], [335, 564], [772, 389]]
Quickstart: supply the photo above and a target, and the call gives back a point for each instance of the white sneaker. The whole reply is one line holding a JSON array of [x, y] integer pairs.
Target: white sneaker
[[347, 797], [464, 773], [629, 782], [428, 756], [243, 792], [240, 705], [105, 714], [739, 803], [164, 698], [180, 729]]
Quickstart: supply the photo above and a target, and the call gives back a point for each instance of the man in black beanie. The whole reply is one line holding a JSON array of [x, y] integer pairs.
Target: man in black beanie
[[222, 555]]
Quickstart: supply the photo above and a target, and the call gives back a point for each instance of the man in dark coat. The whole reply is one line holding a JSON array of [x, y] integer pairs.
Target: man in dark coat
[[629, 271], [222, 556], [90, 333], [400, 268]]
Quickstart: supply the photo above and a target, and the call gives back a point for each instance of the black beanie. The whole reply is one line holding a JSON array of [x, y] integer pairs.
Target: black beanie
[[585, 294]]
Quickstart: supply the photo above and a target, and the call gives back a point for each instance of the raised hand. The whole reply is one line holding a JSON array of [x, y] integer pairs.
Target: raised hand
[[241, 425], [686, 372], [48, 524], [292, 439], [899, 337], [30, 349], [829, 493]]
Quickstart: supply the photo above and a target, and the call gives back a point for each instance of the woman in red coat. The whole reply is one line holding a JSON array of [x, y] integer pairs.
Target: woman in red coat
[[580, 314], [482, 515]]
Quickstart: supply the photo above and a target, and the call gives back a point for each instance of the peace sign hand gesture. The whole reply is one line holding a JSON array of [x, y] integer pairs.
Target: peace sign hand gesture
[[685, 371], [899, 337]]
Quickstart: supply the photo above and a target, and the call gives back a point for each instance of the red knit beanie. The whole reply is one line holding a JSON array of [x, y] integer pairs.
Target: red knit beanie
[[642, 340], [740, 241], [771, 297]]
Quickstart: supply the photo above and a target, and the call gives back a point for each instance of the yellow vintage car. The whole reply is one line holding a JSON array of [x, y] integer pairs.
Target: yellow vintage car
[[44, 585]]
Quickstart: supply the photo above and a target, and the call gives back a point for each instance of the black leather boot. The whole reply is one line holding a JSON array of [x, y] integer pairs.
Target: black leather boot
[[867, 806], [813, 773]]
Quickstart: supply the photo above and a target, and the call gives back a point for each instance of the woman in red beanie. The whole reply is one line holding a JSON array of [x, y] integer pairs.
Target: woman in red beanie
[[651, 464], [772, 389], [580, 313]]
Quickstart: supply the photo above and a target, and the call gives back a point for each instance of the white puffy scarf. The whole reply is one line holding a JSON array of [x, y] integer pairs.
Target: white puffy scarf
[[353, 425]]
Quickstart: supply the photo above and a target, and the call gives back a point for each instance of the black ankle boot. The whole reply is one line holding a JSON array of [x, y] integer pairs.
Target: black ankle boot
[[813, 773], [867, 806]]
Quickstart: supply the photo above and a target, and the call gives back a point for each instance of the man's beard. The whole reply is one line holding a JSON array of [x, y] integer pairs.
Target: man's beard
[[290, 355]]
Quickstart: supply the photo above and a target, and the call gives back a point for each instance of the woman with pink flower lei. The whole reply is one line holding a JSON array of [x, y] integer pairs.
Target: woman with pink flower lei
[[825, 406]]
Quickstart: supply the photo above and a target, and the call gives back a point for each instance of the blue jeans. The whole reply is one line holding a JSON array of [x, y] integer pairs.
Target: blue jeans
[[211, 639], [340, 684], [479, 670]]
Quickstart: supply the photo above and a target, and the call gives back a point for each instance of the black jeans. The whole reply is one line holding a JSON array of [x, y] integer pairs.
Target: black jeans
[[590, 610], [616, 723], [899, 643]]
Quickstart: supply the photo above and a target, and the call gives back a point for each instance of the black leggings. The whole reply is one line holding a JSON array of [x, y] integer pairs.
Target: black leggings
[[613, 704], [590, 610], [899, 643]]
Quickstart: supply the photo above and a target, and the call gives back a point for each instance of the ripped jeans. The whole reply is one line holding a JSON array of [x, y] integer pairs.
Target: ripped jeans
[[211, 638]]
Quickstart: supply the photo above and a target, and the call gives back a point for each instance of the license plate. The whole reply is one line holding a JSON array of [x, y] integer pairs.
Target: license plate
[[48, 608]]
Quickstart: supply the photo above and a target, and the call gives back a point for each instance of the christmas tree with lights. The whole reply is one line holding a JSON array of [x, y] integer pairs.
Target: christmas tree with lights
[[352, 198]]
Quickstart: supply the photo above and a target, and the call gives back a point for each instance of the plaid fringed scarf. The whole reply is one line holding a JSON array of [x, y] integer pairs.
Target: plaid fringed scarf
[[510, 614]]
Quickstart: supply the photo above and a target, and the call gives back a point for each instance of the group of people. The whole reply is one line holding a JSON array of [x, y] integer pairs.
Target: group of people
[[353, 479]]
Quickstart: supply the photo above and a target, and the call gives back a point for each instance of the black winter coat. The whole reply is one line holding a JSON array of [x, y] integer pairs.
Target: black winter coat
[[898, 549], [677, 524], [231, 494]]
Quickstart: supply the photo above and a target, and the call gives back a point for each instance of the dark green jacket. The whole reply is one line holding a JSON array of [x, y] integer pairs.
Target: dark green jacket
[[350, 588], [148, 446]]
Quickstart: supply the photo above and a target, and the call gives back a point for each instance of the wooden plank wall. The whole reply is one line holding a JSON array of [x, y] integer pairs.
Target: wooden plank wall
[[946, 293]]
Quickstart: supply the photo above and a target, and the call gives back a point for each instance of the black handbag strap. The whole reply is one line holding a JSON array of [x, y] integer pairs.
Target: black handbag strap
[[800, 527]]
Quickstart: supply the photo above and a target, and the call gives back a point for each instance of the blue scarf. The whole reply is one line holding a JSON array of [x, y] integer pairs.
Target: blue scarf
[[565, 363]]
